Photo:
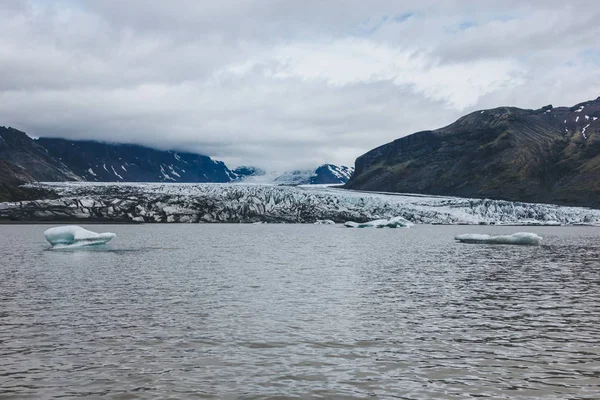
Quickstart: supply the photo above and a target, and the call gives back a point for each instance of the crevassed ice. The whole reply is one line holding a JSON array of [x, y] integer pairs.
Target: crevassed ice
[[522, 238], [244, 203], [395, 222], [75, 236]]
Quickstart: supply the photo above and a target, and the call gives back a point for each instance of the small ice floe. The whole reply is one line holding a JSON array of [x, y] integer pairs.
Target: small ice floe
[[533, 222], [324, 222], [396, 222], [75, 236], [521, 238]]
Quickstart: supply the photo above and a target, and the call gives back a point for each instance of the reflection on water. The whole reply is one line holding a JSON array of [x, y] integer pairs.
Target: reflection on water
[[289, 311]]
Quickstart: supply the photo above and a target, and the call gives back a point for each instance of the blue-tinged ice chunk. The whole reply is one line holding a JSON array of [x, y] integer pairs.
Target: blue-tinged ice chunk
[[324, 222], [75, 236], [396, 222], [522, 238]]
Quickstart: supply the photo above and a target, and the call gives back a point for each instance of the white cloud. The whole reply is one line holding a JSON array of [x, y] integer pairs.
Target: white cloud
[[291, 84], [357, 61]]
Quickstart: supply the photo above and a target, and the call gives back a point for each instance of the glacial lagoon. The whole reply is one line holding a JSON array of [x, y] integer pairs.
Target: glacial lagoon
[[248, 311]]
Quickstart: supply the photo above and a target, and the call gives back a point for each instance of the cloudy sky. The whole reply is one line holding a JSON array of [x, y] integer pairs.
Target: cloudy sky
[[283, 83]]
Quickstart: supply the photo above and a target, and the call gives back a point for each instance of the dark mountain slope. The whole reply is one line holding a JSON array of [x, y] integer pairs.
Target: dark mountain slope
[[107, 162], [25, 160], [549, 155], [22, 160]]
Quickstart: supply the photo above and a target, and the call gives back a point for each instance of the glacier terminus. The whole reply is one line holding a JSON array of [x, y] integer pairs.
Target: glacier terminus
[[247, 203]]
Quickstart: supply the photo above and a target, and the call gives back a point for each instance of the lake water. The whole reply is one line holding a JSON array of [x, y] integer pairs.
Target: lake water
[[300, 311]]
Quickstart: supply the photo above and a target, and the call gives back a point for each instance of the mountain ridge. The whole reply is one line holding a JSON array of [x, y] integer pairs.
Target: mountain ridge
[[115, 162]]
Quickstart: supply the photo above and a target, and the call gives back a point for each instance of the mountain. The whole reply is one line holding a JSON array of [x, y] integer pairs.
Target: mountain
[[325, 174], [550, 155], [26, 160], [331, 174], [23, 160], [110, 162]]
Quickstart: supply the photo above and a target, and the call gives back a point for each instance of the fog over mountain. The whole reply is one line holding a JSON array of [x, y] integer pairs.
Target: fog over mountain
[[284, 85]]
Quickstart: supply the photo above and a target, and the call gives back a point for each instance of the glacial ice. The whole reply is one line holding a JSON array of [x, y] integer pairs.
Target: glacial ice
[[395, 222], [324, 222], [521, 238], [247, 203], [75, 236]]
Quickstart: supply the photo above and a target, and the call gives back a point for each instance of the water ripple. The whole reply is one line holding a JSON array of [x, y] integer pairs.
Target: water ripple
[[293, 312]]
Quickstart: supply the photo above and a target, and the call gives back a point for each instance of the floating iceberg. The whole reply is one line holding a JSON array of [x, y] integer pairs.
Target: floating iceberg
[[522, 238], [75, 236], [324, 222], [396, 222]]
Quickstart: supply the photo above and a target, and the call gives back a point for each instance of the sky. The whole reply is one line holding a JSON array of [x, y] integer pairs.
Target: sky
[[285, 84]]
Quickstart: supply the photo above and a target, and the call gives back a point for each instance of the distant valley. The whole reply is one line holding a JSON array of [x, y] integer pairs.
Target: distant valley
[[328, 174]]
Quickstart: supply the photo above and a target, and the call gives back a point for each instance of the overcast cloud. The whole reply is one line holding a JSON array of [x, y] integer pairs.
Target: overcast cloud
[[285, 84]]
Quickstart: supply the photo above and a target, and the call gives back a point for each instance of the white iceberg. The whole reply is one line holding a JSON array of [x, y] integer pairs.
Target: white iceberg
[[324, 222], [75, 236], [396, 222], [522, 238]]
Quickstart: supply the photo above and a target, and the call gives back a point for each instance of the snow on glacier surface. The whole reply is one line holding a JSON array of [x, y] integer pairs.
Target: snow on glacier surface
[[213, 202], [75, 236], [520, 238]]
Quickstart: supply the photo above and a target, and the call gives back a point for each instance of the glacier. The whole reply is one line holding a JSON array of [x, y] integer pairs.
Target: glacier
[[75, 236], [520, 238], [248, 203]]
